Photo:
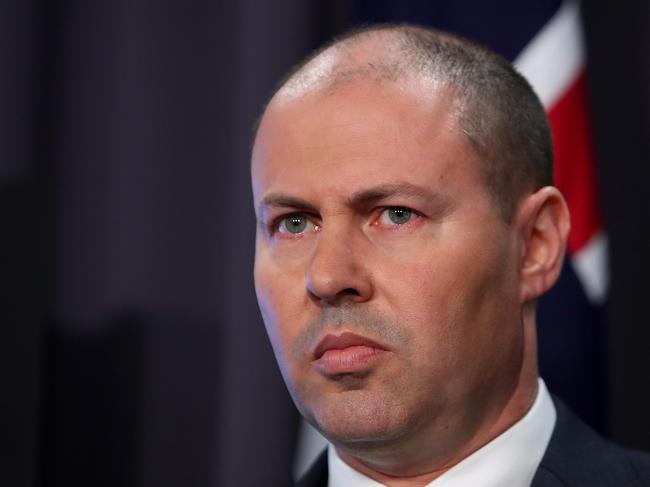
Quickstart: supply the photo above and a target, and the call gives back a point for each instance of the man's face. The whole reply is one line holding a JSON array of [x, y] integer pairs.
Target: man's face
[[387, 281]]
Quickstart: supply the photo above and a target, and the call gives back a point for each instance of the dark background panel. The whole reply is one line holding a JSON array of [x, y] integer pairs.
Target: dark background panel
[[25, 245], [619, 83]]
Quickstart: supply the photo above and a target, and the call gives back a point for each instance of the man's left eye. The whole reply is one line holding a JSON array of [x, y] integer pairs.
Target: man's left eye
[[395, 215]]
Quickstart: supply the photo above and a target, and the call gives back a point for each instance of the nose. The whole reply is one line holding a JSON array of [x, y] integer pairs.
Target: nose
[[338, 270]]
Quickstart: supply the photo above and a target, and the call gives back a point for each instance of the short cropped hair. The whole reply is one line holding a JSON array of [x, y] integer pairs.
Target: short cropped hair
[[495, 106]]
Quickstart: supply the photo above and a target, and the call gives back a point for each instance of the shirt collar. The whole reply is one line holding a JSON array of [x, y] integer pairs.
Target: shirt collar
[[509, 459]]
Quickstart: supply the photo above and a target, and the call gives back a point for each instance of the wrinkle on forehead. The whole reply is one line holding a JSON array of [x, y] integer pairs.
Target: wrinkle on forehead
[[352, 139]]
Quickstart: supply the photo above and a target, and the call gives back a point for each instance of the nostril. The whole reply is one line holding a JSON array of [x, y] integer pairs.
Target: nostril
[[349, 292]]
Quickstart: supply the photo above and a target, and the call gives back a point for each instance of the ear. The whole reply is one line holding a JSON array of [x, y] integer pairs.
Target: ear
[[543, 221]]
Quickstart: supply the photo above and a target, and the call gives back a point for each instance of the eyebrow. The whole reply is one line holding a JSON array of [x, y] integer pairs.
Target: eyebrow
[[360, 198], [279, 200]]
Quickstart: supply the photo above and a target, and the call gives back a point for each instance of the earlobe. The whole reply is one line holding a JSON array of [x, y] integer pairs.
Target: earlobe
[[544, 222]]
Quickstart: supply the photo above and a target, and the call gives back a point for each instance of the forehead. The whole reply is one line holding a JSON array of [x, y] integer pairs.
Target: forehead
[[367, 132]]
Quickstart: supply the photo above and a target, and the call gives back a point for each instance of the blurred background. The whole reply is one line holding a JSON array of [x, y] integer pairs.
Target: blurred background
[[131, 348]]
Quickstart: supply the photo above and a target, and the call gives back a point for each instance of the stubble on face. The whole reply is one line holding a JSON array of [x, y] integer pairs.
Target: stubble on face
[[428, 385], [357, 404]]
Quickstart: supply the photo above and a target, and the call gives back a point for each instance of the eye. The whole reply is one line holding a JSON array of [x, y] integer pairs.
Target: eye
[[395, 215], [295, 224]]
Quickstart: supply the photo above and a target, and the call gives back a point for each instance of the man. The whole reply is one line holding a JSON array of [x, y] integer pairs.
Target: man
[[402, 180]]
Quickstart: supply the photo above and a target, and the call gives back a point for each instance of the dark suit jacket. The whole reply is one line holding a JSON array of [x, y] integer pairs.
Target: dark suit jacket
[[576, 457]]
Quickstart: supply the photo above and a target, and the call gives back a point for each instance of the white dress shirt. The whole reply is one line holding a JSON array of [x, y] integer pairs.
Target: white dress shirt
[[511, 459]]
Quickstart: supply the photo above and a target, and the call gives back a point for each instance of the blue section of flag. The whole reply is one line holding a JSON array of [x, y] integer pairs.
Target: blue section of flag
[[504, 25]]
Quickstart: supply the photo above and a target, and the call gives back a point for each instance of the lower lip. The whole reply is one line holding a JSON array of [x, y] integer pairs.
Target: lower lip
[[347, 360]]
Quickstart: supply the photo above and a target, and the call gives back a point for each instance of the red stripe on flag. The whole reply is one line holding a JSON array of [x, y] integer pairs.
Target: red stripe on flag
[[575, 168]]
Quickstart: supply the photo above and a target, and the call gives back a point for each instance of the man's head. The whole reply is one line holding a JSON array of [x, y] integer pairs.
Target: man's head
[[405, 231]]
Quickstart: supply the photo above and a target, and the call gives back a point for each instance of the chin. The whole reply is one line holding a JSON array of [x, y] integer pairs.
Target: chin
[[359, 418]]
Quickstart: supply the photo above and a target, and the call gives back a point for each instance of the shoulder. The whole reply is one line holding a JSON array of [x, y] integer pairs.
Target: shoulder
[[316, 476], [640, 462], [578, 456]]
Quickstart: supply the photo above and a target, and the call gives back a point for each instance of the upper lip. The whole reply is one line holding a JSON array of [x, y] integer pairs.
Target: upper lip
[[344, 340]]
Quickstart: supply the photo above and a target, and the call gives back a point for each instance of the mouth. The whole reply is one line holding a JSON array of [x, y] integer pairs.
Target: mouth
[[346, 353]]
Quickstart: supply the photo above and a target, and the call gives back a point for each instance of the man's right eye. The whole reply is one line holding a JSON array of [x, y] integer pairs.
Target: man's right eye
[[296, 224]]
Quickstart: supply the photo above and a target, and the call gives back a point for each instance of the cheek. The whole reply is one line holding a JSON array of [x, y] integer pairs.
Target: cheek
[[423, 300], [450, 299], [277, 300], [280, 335]]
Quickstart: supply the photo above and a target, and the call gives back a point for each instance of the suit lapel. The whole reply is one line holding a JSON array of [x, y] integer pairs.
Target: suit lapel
[[577, 456]]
